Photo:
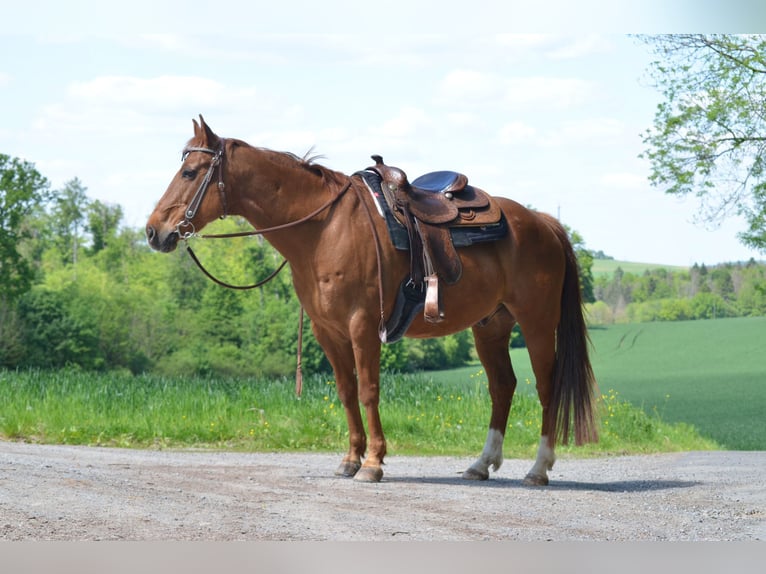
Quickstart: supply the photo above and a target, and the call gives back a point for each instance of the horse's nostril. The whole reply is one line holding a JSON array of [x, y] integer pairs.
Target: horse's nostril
[[150, 233]]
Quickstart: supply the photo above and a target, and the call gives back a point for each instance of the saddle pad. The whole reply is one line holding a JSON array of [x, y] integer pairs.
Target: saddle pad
[[462, 236]]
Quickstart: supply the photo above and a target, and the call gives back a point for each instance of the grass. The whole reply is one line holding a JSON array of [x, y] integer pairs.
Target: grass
[[707, 374], [421, 415]]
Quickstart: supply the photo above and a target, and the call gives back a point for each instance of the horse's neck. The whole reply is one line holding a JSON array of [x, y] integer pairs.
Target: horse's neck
[[279, 191]]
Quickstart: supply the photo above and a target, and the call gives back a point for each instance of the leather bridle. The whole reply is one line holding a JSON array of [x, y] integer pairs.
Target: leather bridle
[[196, 200], [199, 196]]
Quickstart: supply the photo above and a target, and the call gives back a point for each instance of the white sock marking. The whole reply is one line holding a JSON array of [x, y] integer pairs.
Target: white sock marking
[[492, 453], [545, 458]]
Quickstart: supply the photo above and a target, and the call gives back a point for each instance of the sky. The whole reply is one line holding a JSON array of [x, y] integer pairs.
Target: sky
[[551, 119]]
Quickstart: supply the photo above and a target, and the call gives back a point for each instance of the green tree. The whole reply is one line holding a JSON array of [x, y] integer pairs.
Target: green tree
[[585, 263], [54, 338], [22, 190], [103, 222], [69, 214], [709, 134]]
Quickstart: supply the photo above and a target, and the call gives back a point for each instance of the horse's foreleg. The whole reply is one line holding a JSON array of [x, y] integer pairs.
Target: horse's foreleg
[[542, 354], [492, 347], [341, 358], [367, 356]]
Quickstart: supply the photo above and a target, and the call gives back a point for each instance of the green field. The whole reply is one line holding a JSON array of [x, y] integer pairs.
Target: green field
[[710, 374], [608, 267]]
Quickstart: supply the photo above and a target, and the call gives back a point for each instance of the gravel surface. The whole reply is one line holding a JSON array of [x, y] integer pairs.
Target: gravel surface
[[91, 493]]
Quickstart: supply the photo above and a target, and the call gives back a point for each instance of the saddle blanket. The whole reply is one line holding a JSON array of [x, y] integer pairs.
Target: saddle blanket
[[462, 236]]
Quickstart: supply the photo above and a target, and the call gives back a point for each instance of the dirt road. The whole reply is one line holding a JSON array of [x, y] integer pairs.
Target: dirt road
[[82, 493]]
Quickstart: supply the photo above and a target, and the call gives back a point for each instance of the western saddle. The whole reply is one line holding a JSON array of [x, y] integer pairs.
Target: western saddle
[[431, 207]]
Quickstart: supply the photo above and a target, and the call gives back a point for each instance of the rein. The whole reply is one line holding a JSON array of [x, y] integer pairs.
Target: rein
[[191, 212]]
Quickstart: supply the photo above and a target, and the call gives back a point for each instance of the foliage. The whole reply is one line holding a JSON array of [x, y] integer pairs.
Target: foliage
[[95, 296], [22, 190], [584, 264], [422, 415], [708, 134], [659, 294]]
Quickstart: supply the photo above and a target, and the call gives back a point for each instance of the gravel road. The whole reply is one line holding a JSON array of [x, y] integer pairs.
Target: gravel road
[[90, 493]]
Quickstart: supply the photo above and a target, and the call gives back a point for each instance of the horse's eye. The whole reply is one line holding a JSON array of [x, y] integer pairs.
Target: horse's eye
[[189, 173]]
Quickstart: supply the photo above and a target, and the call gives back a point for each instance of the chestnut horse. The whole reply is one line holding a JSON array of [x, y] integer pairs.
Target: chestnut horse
[[346, 273]]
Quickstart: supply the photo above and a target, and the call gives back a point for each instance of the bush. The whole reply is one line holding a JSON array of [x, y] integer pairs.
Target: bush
[[53, 338]]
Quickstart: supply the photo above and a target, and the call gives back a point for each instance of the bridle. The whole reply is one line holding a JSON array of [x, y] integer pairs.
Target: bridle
[[196, 200]]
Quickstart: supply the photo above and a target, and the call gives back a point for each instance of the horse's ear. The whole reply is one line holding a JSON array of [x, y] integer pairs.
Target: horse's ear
[[209, 137], [196, 127]]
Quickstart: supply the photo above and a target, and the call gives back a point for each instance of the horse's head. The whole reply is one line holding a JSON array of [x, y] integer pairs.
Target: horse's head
[[189, 204]]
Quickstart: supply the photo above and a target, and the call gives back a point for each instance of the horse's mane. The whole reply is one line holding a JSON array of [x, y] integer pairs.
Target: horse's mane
[[308, 162]]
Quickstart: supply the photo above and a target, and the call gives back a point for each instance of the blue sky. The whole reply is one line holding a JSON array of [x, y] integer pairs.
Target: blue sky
[[550, 120]]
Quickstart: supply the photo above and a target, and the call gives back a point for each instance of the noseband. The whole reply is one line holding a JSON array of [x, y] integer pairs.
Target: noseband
[[196, 200]]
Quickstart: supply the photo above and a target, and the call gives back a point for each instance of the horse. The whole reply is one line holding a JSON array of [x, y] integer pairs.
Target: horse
[[346, 273]]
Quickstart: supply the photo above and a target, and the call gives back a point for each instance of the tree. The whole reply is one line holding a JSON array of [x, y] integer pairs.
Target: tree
[[103, 221], [69, 215], [22, 189], [584, 263], [709, 134]]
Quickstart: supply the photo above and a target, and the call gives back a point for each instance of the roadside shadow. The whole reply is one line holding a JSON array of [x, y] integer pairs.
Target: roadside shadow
[[617, 486]]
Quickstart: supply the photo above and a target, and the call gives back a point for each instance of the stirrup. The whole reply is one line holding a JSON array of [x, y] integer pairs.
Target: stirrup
[[432, 311]]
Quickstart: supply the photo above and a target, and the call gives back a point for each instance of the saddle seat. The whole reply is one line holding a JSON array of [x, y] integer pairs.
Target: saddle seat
[[429, 207], [437, 198]]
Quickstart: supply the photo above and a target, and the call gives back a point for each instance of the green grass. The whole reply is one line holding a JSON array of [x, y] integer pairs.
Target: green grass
[[608, 267], [664, 387], [422, 414], [708, 374]]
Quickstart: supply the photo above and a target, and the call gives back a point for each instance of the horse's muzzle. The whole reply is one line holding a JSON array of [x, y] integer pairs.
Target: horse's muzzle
[[164, 242]]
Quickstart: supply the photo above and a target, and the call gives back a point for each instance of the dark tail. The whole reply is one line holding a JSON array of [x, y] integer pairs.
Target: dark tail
[[572, 403]]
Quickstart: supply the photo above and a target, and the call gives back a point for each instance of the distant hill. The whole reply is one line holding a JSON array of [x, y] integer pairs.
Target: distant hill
[[608, 267]]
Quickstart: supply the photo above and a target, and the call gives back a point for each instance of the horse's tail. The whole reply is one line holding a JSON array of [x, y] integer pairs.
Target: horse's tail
[[572, 401]]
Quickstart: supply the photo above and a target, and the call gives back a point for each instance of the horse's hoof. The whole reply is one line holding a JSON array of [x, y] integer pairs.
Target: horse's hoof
[[473, 474], [348, 469], [369, 474], [535, 480]]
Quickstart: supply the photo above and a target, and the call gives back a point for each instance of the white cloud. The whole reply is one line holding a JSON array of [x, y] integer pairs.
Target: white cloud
[[517, 133], [581, 46], [154, 94], [574, 132], [521, 41], [624, 180], [541, 91], [132, 105], [471, 87], [594, 130], [404, 124]]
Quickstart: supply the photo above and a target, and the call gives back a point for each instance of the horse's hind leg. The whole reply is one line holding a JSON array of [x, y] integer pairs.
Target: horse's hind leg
[[492, 340], [542, 354]]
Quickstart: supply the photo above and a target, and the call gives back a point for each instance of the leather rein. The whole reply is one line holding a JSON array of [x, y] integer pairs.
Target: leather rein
[[199, 196]]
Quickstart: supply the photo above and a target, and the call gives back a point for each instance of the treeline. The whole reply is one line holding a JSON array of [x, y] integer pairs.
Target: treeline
[[726, 290], [80, 290]]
